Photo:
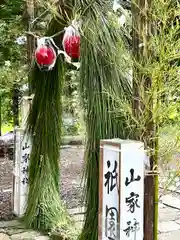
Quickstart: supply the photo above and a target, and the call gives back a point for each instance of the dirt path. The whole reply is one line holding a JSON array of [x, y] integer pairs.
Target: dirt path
[[6, 180], [71, 174]]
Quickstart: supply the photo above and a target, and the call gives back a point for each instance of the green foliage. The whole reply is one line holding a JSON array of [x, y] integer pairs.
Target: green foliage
[[9, 31], [72, 128], [9, 8], [44, 125], [103, 69], [12, 55], [45, 210], [169, 143], [70, 93], [157, 79], [6, 108], [72, 124], [159, 63], [106, 98]]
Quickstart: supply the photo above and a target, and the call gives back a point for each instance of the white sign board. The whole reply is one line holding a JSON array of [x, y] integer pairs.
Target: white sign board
[[25, 107], [132, 191], [22, 153], [121, 190]]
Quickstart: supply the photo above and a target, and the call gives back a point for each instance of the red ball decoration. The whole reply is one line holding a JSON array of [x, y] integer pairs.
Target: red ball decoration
[[71, 43], [45, 56], [72, 46]]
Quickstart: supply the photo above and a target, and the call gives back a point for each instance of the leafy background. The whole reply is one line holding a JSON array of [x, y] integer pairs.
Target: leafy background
[[13, 68]]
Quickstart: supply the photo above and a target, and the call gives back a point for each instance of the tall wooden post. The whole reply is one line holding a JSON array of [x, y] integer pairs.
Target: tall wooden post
[[141, 27], [0, 116], [15, 104], [30, 15]]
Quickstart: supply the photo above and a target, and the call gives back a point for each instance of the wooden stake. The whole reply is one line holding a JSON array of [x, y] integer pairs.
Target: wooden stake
[[148, 208], [140, 51], [0, 115]]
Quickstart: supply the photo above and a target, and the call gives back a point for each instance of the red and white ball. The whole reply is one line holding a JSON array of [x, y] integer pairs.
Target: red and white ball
[[71, 43], [45, 54]]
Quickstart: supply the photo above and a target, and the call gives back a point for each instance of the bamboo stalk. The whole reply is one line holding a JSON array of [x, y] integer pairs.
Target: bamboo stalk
[[141, 24]]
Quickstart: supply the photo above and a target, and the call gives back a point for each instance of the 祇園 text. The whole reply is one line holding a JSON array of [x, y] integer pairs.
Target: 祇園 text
[[111, 177], [111, 230]]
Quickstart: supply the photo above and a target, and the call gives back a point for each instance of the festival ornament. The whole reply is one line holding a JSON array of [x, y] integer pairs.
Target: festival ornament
[[46, 53], [71, 42]]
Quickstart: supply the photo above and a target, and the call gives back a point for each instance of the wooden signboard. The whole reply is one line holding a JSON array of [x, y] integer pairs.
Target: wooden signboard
[[121, 190], [22, 154]]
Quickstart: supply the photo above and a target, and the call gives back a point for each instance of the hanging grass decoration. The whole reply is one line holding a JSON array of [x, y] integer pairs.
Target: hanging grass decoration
[[45, 210], [103, 68], [71, 42]]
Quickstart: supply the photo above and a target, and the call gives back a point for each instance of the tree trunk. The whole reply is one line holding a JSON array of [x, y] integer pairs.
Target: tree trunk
[[30, 14], [15, 105], [0, 115]]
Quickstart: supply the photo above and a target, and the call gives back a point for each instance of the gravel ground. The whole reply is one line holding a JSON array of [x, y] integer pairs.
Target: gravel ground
[[6, 186], [71, 165], [71, 176]]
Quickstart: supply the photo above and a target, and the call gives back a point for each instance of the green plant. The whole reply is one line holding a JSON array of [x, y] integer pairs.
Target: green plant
[[103, 68], [12, 56], [45, 210], [156, 81]]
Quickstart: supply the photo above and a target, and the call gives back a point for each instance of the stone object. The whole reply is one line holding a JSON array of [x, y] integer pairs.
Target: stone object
[[168, 226], [4, 236], [175, 235], [171, 201]]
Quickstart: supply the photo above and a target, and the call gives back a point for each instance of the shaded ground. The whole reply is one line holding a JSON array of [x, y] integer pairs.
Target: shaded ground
[[6, 179], [71, 192], [71, 174]]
